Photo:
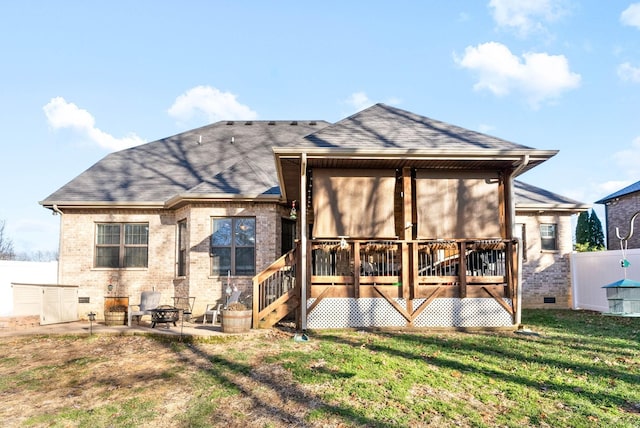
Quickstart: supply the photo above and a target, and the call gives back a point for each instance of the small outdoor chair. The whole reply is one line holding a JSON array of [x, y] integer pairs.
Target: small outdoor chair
[[148, 300], [215, 309]]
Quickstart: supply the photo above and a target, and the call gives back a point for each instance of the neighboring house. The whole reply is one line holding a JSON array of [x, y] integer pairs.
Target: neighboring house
[[620, 207], [383, 219], [543, 221]]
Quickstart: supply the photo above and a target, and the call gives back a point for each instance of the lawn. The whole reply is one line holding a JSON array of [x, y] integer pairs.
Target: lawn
[[569, 369]]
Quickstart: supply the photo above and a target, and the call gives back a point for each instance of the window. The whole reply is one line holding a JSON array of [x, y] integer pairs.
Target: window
[[122, 245], [233, 246], [548, 237], [182, 248]]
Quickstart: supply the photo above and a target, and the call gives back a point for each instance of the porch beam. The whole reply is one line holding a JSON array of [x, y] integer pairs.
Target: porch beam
[[415, 314], [498, 299], [325, 293], [393, 303]]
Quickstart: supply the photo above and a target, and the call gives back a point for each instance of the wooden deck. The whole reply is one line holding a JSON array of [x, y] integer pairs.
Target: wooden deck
[[397, 269]]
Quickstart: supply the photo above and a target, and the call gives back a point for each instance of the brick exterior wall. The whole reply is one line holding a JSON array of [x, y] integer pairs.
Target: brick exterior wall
[[618, 214], [78, 228], [546, 273]]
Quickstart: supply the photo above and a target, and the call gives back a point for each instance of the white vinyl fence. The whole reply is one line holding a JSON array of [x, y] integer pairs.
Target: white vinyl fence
[[23, 272], [592, 270]]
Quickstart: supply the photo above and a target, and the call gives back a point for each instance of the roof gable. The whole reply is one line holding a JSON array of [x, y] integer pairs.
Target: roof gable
[[382, 126]]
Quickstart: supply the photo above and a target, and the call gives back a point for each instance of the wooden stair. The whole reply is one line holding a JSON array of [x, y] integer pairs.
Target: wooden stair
[[279, 278]]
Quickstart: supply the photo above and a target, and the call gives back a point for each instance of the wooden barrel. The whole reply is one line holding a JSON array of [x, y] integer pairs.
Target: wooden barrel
[[236, 321], [115, 318]]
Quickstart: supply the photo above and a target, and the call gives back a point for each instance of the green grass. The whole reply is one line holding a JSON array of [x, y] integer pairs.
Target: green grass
[[582, 370]]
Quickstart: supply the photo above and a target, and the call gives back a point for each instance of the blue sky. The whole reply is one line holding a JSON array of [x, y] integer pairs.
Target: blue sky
[[81, 79]]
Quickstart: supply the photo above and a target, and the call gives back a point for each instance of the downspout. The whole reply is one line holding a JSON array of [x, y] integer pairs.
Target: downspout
[[303, 241], [521, 166], [57, 210]]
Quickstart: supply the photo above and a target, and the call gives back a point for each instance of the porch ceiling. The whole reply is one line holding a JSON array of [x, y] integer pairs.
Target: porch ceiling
[[288, 162]]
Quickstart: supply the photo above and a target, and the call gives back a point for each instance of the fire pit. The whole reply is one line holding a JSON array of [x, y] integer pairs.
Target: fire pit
[[164, 314]]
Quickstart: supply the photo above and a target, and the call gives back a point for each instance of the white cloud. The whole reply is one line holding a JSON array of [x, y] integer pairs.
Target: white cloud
[[484, 128], [631, 15], [359, 101], [62, 114], [538, 76], [629, 73], [628, 159], [210, 103], [526, 16], [612, 186]]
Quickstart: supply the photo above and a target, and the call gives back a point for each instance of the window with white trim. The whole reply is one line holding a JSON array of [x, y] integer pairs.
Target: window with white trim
[[548, 237], [122, 245]]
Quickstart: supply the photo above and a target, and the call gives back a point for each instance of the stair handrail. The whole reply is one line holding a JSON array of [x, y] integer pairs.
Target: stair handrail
[[287, 259]]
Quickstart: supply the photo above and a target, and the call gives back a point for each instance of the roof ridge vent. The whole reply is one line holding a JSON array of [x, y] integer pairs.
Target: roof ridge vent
[[272, 122], [248, 122], [294, 123], [230, 122], [313, 123]]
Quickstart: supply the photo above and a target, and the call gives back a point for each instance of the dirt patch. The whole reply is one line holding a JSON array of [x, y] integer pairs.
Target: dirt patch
[[59, 375]]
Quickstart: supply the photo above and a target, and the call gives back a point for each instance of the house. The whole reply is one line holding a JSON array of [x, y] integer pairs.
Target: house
[[383, 219], [620, 207]]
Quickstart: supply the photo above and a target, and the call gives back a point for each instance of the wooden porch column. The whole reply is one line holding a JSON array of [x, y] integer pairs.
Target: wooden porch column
[[356, 271], [408, 284], [462, 267], [303, 242], [407, 205]]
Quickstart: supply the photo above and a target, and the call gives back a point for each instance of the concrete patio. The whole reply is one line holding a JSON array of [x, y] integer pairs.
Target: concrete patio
[[189, 330]]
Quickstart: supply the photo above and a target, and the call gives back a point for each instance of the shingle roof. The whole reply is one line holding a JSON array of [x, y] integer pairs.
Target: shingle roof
[[392, 128], [529, 197], [235, 158], [635, 187]]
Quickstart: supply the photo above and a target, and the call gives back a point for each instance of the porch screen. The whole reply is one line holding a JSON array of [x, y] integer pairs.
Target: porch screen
[[458, 204], [354, 203]]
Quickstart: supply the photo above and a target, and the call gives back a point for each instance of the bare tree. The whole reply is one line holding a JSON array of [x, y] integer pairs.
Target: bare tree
[[6, 245]]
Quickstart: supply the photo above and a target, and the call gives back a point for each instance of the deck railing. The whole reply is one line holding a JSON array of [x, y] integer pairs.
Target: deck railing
[[274, 289], [368, 268], [427, 262]]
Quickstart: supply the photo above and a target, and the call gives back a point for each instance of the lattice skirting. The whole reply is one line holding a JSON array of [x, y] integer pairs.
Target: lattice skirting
[[377, 312]]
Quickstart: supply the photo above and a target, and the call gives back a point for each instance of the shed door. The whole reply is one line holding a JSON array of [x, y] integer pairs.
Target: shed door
[[50, 306], [59, 304]]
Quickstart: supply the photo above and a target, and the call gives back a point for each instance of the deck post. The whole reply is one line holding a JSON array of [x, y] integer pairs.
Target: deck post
[[462, 268], [408, 278], [303, 241], [357, 263]]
